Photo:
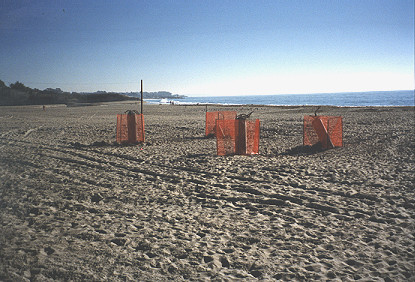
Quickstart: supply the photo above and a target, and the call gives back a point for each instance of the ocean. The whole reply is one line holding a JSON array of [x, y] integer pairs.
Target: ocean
[[347, 99]]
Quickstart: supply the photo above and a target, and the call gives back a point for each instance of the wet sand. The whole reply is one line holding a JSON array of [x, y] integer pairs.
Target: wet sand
[[75, 206]]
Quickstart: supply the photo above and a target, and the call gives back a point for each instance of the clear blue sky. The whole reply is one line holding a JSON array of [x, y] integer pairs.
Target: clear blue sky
[[209, 48]]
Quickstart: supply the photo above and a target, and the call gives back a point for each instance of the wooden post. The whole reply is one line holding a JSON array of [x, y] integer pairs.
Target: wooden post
[[141, 96]]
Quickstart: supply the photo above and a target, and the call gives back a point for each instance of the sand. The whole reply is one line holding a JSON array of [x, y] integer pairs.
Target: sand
[[75, 206]]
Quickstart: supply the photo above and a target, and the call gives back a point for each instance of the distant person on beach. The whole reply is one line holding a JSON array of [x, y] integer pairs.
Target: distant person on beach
[[44, 108]]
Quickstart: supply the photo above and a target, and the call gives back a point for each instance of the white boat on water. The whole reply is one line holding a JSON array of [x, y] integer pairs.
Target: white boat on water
[[165, 101]]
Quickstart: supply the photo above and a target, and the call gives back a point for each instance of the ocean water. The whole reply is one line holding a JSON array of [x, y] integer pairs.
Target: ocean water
[[347, 99]]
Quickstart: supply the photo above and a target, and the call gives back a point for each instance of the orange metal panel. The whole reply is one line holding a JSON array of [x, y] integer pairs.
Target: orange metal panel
[[211, 118], [225, 137], [130, 128], [322, 133], [252, 130], [239, 137], [328, 130]]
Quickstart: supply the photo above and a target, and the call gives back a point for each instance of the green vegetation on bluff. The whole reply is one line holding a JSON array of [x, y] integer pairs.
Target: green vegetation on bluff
[[19, 94]]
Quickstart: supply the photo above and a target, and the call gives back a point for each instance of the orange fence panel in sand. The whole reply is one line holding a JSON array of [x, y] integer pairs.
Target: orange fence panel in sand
[[130, 128], [211, 118], [328, 130], [237, 137]]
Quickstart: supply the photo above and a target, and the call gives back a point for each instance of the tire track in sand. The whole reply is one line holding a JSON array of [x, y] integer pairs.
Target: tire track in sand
[[196, 176]]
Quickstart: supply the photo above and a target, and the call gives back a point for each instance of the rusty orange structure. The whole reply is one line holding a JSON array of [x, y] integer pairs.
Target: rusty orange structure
[[237, 137], [328, 130], [211, 118], [130, 128]]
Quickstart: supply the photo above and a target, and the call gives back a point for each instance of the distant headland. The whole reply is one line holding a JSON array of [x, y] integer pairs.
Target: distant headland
[[19, 94]]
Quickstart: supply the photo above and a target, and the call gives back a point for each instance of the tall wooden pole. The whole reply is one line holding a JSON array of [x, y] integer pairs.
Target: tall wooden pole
[[141, 96]]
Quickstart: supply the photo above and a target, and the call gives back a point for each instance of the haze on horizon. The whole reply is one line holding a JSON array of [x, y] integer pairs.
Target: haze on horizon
[[209, 48]]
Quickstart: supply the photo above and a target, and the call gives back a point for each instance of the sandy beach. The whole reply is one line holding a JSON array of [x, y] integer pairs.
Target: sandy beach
[[76, 206]]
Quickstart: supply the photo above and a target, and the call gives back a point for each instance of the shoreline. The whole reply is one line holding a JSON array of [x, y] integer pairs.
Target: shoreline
[[287, 106], [198, 104], [388, 98]]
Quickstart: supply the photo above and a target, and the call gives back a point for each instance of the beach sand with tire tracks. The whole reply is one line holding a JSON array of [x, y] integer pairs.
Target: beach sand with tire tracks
[[76, 206]]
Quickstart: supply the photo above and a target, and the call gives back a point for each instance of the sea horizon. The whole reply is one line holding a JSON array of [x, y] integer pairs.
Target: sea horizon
[[312, 93], [346, 99]]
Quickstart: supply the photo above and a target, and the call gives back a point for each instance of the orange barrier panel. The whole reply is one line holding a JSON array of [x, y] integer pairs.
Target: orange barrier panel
[[328, 130], [237, 137], [211, 118], [130, 128]]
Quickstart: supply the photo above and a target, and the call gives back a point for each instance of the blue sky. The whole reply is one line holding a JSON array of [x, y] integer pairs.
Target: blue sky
[[209, 48]]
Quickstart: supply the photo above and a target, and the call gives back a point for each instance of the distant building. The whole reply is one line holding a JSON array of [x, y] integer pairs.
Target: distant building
[[56, 90]]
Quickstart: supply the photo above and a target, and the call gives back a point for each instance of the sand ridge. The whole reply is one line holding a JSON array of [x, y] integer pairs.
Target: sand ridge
[[76, 206]]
